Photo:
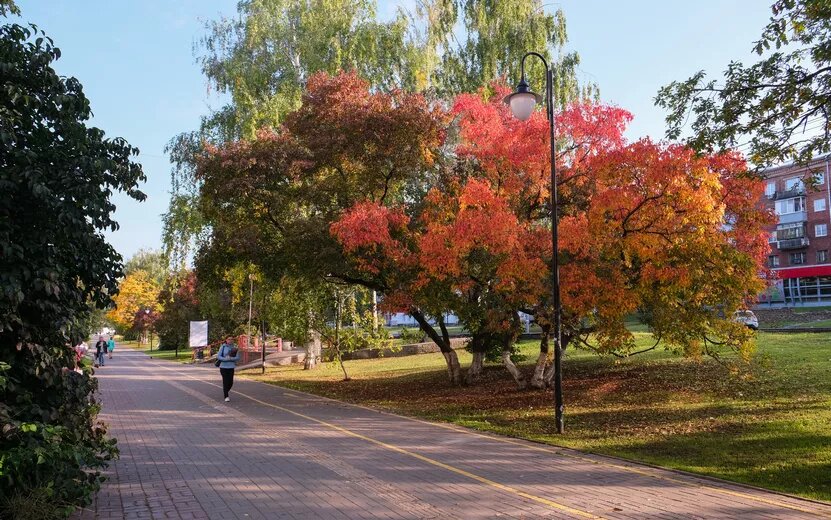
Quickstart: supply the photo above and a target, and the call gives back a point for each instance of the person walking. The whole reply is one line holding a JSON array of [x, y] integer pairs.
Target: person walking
[[100, 348], [227, 356], [110, 346]]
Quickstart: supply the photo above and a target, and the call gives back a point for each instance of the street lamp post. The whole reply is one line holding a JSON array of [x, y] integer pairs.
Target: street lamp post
[[522, 103], [250, 306], [149, 333]]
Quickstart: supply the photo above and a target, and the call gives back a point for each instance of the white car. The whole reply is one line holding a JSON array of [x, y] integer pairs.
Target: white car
[[747, 318]]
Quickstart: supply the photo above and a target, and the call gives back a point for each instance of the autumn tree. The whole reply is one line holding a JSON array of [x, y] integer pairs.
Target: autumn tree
[[280, 192], [644, 227], [775, 109], [180, 306], [263, 59], [137, 292]]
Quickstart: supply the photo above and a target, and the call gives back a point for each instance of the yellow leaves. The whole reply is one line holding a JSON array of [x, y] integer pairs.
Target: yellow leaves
[[137, 292]]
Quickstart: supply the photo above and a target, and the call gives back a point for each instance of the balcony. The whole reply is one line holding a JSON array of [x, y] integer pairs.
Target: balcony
[[790, 218], [793, 243], [789, 194]]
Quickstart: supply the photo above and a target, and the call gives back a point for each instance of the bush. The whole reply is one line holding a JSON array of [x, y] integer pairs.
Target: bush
[[409, 337], [56, 179]]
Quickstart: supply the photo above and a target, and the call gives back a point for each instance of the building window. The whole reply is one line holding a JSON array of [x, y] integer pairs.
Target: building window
[[772, 237], [783, 207], [770, 189], [794, 183], [797, 258], [822, 256], [773, 260], [819, 205], [819, 178], [820, 230], [790, 231]]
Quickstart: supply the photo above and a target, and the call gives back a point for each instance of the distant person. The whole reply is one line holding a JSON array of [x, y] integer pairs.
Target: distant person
[[100, 348], [110, 346], [227, 356]]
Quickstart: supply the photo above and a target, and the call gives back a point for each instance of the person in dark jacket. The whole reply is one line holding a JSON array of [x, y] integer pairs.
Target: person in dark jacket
[[100, 348], [228, 356]]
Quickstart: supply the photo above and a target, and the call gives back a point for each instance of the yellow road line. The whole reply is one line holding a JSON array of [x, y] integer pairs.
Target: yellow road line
[[397, 449], [555, 451]]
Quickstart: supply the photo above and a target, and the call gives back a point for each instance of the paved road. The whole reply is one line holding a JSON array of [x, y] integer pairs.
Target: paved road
[[279, 454]]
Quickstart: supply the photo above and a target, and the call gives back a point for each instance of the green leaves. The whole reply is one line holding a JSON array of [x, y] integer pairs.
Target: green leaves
[[774, 110], [57, 176]]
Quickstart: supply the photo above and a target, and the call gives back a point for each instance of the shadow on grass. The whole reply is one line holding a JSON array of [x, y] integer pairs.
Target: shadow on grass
[[770, 455]]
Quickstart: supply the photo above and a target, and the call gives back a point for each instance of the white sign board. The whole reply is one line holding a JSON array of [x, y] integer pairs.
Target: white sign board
[[198, 334]]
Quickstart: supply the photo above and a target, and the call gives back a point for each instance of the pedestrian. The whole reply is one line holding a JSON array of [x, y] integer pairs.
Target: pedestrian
[[227, 356], [100, 348], [110, 346]]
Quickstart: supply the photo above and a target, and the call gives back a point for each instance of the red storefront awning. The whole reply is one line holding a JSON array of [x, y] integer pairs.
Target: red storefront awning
[[801, 272]]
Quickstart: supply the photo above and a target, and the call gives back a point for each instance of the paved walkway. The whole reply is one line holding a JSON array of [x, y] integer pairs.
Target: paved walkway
[[279, 454]]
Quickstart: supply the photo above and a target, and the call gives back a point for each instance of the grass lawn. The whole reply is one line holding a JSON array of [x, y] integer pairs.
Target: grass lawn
[[820, 324], [169, 355], [768, 425]]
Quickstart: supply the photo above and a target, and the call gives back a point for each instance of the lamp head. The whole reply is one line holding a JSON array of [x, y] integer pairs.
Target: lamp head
[[523, 101]]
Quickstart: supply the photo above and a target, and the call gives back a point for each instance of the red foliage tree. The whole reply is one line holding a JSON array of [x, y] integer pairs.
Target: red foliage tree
[[645, 227]]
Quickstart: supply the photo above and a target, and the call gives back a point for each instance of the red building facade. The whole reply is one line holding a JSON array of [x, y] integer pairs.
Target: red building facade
[[800, 242]]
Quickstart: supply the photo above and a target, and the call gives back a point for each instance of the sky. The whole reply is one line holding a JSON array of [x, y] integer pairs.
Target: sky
[[136, 62]]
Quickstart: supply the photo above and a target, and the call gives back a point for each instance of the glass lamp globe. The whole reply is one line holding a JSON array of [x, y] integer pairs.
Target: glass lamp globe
[[522, 104], [523, 101]]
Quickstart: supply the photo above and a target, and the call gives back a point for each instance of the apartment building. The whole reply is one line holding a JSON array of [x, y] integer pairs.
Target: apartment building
[[800, 242]]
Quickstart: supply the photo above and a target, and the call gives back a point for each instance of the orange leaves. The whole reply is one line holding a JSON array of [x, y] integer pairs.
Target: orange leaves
[[643, 226], [483, 242], [373, 234]]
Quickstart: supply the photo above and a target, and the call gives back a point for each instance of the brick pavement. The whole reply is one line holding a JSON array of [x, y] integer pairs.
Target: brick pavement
[[277, 453]]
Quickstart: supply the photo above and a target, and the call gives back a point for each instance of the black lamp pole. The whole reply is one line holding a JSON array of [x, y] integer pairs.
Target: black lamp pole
[[524, 96]]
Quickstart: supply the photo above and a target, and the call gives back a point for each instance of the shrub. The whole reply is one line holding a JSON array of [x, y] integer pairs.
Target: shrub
[[56, 179], [409, 337]]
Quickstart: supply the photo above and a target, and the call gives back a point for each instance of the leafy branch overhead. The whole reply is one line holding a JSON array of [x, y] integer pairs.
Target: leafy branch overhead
[[774, 110]]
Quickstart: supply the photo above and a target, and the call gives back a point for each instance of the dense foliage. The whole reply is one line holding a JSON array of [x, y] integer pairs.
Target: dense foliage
[[448, 211], [56, 179], [180, 307], [137, 294], [264, 57], [152, 262], [775, 109]]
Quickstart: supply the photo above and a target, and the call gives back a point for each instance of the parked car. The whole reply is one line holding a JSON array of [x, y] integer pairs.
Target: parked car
[[747, 318]]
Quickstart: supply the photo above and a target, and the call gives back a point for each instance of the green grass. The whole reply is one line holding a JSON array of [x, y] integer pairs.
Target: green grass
[[813, 324], [811, 309], [185, 355], [767, 424]]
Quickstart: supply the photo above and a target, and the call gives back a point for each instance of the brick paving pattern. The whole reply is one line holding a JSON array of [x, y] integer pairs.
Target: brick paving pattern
[[273, 453]]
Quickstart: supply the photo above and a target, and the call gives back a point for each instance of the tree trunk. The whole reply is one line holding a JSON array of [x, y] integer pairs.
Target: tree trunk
[[312, 351], [538, 379], [476, 366], [454, 370], [548, 377], [374, 310], [519, 377]]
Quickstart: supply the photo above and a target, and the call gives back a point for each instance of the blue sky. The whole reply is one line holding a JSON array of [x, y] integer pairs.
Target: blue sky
[[136, 62]]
